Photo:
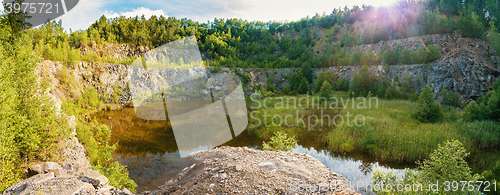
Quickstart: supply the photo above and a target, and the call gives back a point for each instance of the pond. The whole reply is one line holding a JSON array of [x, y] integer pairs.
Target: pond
[[149, 150]]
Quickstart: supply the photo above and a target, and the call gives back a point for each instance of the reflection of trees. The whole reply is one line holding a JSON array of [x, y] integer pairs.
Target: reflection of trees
[[366, 168], [136, 136]]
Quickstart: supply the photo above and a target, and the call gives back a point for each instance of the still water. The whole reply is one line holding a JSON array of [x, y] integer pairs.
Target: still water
[[149, 151]]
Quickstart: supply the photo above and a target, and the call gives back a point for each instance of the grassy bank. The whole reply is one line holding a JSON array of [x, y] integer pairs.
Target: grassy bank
[[386, 130]]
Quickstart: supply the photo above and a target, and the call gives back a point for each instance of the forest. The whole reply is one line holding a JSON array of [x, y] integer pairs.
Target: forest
[[245, 44]]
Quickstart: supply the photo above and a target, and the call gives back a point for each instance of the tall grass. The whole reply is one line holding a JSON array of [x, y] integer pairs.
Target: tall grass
[[390, 133]]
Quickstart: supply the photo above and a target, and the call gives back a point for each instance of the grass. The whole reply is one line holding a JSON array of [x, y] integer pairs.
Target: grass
[[389, 133]]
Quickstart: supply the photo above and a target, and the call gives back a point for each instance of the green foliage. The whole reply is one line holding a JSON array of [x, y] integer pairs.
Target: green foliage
[[494, 38], [472, 112], [405, 56], [95, 137], [414, 96], [30, 128], [322, 77], [304, 86], [470, 24], [326, 91], [449, 98], [362, 82], [308, 73], [343, 85], [446, 163], [488, 109], [280, 141], [485, 134], [428, 109]]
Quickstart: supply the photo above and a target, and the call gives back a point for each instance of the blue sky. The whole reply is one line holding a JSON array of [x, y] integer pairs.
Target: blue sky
[[88, 11]]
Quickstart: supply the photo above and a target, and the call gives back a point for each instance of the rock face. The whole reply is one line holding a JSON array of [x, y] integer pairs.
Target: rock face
[[467, 67], [116, 51], [228, 170], [73, 177]]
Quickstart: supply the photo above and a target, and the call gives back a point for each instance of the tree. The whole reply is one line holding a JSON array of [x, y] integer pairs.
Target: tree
[[304, 86], [326, 91], [446, 164], [449, 98], [17, 21], [280, 141], [308, 73], [343, 85], [363, 81], [428, 109], [472, 112]]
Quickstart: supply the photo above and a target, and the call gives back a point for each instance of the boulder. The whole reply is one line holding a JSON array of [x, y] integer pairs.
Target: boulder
[[46, 167]]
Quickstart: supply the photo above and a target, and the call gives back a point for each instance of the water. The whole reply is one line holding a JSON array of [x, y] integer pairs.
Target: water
[[149, 151]]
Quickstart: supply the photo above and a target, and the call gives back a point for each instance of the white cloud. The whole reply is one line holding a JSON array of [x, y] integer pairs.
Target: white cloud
[[136, 12], [83, 14]]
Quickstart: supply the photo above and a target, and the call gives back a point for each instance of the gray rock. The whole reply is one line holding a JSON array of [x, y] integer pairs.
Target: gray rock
[[46, 167]]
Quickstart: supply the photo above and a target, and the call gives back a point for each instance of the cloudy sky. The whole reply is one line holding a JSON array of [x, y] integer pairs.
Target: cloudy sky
[[88, 11]]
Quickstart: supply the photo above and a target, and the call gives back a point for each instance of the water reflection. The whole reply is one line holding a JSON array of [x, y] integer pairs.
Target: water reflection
[[353, 170], [151, 171], [149, 150]]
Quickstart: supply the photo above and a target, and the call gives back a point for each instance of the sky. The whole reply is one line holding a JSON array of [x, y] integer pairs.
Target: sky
[[87, 12]]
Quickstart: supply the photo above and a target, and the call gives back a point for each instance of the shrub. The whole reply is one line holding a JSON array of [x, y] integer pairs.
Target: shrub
[[343, 85], [304, 86], [95, 137], [322, 77], [326, 91], [414, 96], [472, 112], [449, 98], [280, 141], [428, 109], [362, 82], [446, 163]]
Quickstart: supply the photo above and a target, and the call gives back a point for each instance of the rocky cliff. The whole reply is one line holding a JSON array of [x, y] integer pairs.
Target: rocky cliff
[[467, 67]]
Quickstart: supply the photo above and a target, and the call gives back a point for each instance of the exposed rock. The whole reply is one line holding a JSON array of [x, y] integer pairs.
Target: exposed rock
[[46, 167], [229, 170]]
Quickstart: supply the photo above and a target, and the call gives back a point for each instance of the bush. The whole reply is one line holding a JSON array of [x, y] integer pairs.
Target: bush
[[326, 91], [343, 85], [428, 109], [95, 137], [446, 163], [322, 77], [414, 96], [280, 141], [304, 86], [472, 112], [449, 98], [362, 82]]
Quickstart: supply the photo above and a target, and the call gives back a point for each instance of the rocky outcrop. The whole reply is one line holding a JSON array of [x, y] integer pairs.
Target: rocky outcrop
[[228, 170], [467, 67], [74, 176], [116, 51]]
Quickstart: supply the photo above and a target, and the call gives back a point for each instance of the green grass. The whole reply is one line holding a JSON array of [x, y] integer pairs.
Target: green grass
[[391, 133]]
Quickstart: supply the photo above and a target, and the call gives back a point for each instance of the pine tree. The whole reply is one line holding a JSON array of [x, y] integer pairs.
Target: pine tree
[[428, 109], [304, 86], [326, 91], [471, 112]]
